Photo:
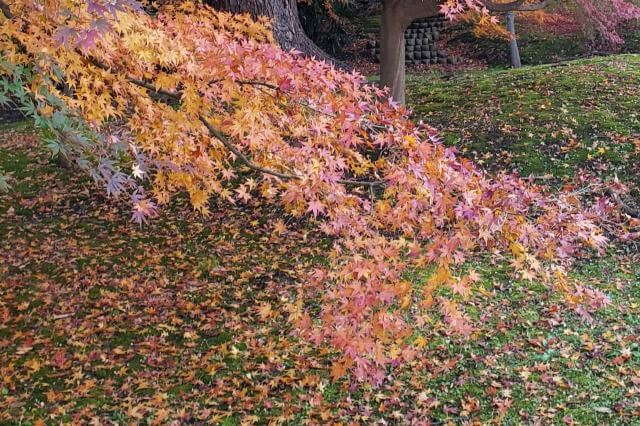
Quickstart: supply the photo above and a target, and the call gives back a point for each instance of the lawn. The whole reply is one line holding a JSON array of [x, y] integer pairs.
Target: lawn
[[185, 318], [550, 119]]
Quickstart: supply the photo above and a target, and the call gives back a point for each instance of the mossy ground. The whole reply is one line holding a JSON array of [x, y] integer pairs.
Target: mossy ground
[[185, 319], [548, 119]]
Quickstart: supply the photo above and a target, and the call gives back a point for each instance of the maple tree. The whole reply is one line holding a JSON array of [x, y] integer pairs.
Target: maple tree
[[204, 103]]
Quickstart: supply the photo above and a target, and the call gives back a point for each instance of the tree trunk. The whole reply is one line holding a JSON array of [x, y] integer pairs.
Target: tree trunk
[[397, 15], [285, 22], [392, 69], [513, 42]]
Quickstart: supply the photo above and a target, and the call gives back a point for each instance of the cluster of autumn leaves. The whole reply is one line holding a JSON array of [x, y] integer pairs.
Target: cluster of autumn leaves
[[203, 103]]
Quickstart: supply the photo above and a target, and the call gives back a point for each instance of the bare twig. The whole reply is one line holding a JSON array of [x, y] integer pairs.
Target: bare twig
[[631, 211], [149, 86], [61, 316]]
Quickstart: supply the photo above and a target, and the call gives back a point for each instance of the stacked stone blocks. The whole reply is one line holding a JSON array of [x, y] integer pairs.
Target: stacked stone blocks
[[420, 43]]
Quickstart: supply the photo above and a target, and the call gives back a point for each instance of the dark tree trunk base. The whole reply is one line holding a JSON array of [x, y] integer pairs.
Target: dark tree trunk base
[[286, 25]]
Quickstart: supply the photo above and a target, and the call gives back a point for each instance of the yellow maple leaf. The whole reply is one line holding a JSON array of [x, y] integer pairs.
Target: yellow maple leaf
[[265, 311], [33, 364], [420, 342], [442, 276], [517, 250]]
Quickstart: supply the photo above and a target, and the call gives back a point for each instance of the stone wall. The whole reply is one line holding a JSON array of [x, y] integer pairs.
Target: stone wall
[[420, 43]]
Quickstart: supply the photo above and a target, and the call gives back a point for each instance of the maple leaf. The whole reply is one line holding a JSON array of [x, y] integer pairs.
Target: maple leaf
[[86, 40], [243, 194], [420, 342], [33, 364], [474, 276], [461, 288], [316, 207], [137, 171], [4, 182], [338, 370], [265, 311], [280, 227], [66, 36]]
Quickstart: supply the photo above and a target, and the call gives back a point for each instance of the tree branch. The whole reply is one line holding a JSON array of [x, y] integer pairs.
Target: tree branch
[[515, 6], [225, 141], [213, 131], [502, 7], [633, 212], [141, 83], [6, 11], [247, 162], [410, 10]]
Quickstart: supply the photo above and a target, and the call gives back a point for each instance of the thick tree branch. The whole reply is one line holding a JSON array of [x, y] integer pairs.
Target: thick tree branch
[[515, 6], [6, 11], [502, 7], [410, 10]]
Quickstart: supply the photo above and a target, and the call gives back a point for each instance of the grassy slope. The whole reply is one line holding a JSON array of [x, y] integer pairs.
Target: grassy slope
[[546, 119], [99, 318]]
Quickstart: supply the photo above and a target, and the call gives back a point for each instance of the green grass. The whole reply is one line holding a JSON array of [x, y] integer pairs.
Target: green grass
[[548, 119]]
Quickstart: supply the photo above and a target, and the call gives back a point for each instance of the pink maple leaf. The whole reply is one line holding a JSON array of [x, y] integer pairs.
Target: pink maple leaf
[[316, 207]]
